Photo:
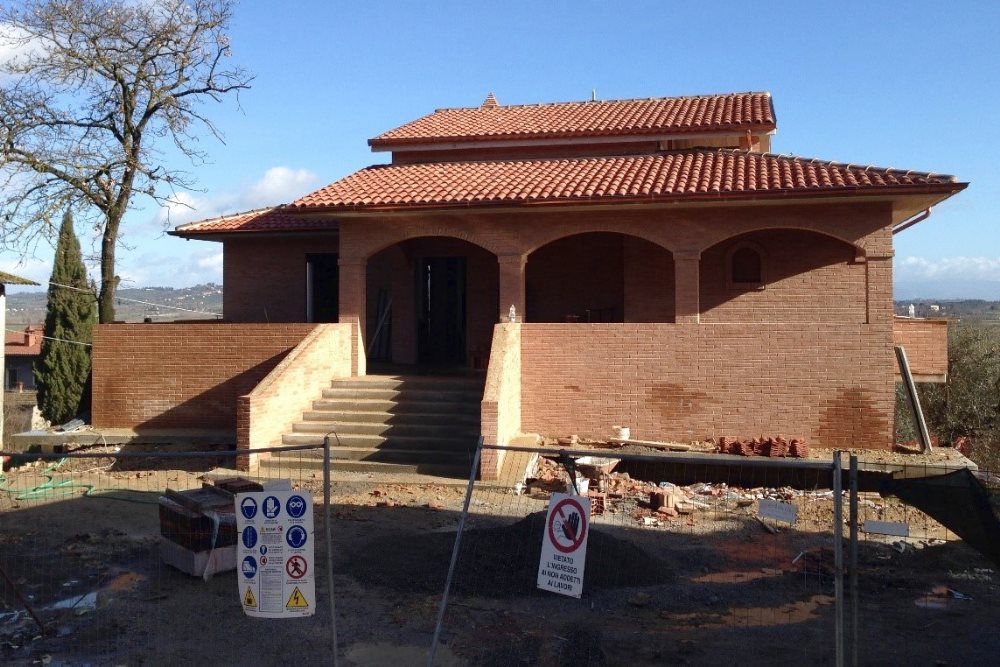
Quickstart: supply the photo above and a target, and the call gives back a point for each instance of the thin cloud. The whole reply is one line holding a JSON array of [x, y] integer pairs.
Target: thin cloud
[[278, 185], [156, 270], [961, 268]]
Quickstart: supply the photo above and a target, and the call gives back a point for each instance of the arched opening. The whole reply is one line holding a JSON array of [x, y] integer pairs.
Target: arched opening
[[600, 277], [431, 300], [782, 275]]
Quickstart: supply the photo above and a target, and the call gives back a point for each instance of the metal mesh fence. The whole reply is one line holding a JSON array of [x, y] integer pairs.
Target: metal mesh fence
[[925, 588], [683, 563], [688, 561], [85, 538]]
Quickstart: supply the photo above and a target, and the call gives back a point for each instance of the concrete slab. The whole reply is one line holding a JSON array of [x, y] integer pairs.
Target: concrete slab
[[29, 441]]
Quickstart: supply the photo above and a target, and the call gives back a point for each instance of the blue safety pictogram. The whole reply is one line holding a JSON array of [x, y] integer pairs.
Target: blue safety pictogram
[[248, 506], [249, 537], [295, 506], [271, 507], [249, 567], [263, 549], [296, 537]]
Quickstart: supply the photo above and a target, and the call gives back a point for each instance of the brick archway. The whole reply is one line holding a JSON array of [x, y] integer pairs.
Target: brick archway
[[600, 277]]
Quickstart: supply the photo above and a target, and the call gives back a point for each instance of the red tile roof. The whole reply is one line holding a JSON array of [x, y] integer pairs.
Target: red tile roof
[[27, 343], [674, 176], [260, 220], [666, 115]]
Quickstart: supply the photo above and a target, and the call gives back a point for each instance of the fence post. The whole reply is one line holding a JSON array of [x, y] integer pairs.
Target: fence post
[[328, 529], [853, 556], [454, 552], [838, 556]]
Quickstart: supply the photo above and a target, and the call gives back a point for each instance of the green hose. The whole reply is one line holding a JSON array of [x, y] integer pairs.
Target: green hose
[[51, 488]]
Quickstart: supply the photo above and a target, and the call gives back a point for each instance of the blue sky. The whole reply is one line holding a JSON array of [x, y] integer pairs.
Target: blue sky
[[914, 86]]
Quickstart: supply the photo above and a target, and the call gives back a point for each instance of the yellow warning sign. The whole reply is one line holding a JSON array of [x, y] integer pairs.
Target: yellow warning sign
[[296, 600], [249, 600]]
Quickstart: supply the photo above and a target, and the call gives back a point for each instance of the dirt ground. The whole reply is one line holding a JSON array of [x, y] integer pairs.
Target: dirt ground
[[712, 584]]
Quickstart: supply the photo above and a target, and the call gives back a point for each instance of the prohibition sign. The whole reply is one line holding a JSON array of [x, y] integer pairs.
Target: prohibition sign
[[296, 567], [568, 537]]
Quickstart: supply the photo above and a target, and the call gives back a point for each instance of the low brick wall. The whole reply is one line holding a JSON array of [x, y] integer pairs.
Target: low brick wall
[[926, 345], [182, 376], [829, 383], [500, 413], [269, 411]]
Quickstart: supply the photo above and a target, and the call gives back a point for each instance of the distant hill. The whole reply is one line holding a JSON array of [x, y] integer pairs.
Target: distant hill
[[951, 289], [159, 304]]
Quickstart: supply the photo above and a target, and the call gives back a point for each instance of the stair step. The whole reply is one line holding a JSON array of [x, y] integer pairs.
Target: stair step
[[357, 417], [438, 444], [407, 393], [424, 430], [395, 407], [411, 382], [456, 470]]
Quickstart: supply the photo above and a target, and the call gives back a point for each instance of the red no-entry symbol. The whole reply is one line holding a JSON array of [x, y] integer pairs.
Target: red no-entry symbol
[[567, 525], [296, 567]]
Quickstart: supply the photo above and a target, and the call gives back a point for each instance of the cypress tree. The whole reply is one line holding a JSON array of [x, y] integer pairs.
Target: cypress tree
[[62, 369]]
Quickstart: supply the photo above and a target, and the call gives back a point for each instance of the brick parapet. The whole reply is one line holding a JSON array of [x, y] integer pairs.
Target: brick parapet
[[270, 409], [829, 383], [187, 376], [926, 345], [500, 412]]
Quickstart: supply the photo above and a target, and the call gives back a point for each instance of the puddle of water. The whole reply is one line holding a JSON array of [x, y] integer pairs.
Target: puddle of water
[[751, 617], [77, 602]]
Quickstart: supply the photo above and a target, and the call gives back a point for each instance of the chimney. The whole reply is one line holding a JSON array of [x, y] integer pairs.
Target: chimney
[[490, 102], [29, 336]]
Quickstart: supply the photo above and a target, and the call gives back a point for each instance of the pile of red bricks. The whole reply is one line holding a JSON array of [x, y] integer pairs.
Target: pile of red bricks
[[764, 446]]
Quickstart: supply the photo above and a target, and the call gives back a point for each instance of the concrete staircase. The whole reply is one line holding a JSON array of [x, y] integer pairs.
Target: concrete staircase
[[394, 423]]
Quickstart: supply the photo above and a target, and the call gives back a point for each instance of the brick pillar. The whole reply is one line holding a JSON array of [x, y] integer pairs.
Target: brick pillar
[[878, 275], [353, 299], [687, 301], [511, 285]]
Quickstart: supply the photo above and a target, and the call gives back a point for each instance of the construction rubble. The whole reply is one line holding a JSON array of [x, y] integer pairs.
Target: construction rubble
[[649, 503]]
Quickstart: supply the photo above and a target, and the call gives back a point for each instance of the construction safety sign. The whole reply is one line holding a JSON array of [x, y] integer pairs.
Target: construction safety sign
[[564, 545], [276, 553]]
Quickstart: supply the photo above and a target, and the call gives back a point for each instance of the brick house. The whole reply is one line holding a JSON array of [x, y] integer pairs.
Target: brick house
[[21, 350], [666, 271]]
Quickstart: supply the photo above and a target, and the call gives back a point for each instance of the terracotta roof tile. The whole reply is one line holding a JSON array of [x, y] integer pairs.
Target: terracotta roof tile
[[678, 175], [666, 115], [260, 220], [27, 343]]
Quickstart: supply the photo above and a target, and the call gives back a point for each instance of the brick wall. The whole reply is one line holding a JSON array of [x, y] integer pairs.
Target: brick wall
[[500, 411], [168, 376], [278, 401], [265, 278], [808, 277], [831, 383], [926, 345]]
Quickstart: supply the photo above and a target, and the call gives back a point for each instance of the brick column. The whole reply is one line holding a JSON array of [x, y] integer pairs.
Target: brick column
[[511, 285], [878, 278], [353, 300], [687, 301]]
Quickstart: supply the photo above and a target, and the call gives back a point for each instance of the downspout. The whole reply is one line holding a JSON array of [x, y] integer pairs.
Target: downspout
[[906, 224]]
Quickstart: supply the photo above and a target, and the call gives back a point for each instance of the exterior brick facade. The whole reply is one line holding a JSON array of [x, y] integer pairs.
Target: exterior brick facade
[[694, 286]]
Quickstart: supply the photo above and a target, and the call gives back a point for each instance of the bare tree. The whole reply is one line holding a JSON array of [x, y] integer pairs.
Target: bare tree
[[92, 87]]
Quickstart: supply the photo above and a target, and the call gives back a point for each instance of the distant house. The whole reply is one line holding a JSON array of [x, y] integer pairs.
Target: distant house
[[21, 349], [651, 262]]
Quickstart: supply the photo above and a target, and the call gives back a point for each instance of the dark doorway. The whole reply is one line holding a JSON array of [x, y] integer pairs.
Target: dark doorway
[[441, 320], [322, 288]]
